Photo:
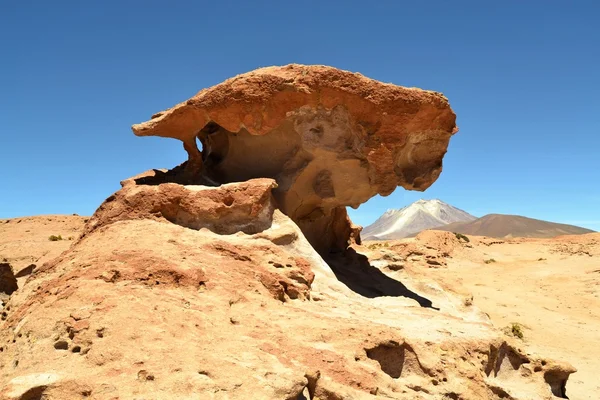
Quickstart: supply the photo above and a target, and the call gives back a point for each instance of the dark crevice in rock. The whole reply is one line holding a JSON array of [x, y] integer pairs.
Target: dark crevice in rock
[[36, 393], [8, 281], [396, 359], [557, 380], [498, 356]]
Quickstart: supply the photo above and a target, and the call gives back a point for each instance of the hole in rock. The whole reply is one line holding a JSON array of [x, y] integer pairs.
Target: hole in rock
[[354, 270], [390, 358], [240, 156], [36, 393], [8, 281], [210, 128], [61, 345], [395, 359], [214, 145], [504, 360], [557, 380], [228, 200], [303, 395]]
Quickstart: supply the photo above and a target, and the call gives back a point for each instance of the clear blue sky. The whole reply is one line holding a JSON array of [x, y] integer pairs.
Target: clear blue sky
[[522, 76]]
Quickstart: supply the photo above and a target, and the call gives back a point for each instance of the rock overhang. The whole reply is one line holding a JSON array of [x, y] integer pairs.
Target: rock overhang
[[330, 138]]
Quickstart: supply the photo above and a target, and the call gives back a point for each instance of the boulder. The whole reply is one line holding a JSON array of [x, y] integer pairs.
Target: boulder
[[330, 138], [237, 207]]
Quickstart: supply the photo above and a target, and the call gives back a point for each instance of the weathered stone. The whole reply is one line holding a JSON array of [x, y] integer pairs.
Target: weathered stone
[[237, 207], [330, 139]]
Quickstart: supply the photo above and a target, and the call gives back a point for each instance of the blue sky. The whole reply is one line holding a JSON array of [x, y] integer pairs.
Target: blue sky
[[522, 76]]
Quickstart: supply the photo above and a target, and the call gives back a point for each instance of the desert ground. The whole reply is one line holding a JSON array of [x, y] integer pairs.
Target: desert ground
[[25, 242], [549, 287]]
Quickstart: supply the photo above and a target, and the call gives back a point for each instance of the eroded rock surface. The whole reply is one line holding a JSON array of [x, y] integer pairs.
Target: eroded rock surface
[[146, 306], [180, 290], [330, 139], [243, 207]]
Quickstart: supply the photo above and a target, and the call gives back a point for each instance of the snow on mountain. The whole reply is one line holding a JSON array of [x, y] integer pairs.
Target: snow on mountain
[[420, 215]]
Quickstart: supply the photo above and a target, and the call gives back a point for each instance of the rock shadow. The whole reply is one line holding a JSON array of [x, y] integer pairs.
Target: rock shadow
[[354, 270]]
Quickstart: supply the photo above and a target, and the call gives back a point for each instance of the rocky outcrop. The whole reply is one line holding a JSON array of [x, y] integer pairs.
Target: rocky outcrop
[[330, 139], [239, 207], [147, 307], [181, 290]]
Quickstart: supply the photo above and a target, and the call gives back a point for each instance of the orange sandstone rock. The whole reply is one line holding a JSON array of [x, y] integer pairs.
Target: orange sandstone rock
[[330, 138]]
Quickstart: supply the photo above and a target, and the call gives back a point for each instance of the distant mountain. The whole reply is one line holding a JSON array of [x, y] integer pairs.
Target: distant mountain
[[420, 215], [506, 226]]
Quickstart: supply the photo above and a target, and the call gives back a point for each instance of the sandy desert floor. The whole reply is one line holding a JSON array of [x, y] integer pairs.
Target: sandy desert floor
[[550, 287], [25, 241]]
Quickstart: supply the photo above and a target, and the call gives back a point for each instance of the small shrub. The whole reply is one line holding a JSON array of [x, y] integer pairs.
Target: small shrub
[[541, 259], [491, 260], [377, 245], [54, 238], [515, 329], [460, 236]]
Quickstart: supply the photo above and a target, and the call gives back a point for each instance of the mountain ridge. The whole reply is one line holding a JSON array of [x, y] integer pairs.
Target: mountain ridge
[[507, 225], [414, 218]]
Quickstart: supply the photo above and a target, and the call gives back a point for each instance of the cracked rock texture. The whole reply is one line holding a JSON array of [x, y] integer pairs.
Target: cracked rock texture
[[330, 139]]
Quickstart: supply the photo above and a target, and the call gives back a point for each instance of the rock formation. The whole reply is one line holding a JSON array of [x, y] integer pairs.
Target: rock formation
[[245, 207], [198, 292], [157, 304], [329, 138]]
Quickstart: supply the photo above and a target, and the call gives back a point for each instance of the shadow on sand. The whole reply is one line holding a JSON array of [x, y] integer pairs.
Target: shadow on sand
[[354, 270]]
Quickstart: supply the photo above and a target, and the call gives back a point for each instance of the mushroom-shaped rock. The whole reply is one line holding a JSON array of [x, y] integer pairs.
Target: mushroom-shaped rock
[[330, 138]]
